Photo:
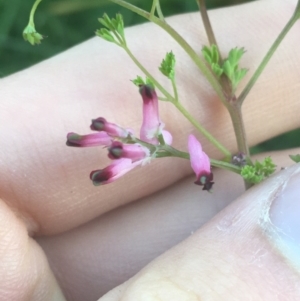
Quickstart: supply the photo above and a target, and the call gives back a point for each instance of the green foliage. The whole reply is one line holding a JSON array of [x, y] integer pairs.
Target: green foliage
[[114, 31], [231, 67], [31, 35], [211, 55], [295, 158], [167, 66], [259, 171], [139, 81]]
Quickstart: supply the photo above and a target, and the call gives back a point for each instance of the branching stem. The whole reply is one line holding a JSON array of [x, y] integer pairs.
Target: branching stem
[[269, 54]]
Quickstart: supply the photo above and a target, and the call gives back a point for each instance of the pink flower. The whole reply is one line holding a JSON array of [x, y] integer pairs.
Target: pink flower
[[152, 125], [114, 130], [135, 152], [94, 139], [112, 172], [200, 164]]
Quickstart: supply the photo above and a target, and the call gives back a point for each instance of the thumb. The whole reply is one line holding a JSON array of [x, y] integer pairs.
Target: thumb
[[249, 251]]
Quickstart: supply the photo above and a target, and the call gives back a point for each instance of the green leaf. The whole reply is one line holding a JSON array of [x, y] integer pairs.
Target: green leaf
[[105, 34], [217, 69], [231, 67], [228, 70], [259, 171], [211, 54], [235, 55], [206, 52], [139, 81], [167, 66], [215, 54], [115, 26], [295, 158]]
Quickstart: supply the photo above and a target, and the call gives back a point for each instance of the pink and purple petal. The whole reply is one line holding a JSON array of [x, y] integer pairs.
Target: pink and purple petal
[[112, 129], [94, 139]]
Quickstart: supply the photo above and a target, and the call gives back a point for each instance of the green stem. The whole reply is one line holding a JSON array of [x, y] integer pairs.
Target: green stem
[[235, 112], [206, 22], [152, 12], [169, 150], [179, 106], [202, 130], [182, 42], [144, 70], [175, 89], [213, 41], [159, 12], [269, 54], [33, 9]]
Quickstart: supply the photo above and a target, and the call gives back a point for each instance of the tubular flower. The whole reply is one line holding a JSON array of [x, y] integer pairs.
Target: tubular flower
[[94, 139], [114, 130], [135, 152], [112, 172], [152, 125], [200, 164]]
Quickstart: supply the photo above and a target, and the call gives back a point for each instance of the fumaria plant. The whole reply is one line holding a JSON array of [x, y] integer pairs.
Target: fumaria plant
[[128, 150]]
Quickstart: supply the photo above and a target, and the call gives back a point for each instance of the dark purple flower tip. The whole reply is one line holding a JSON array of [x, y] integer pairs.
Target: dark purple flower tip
[[100, 176], [147, 92], [205, 180], [98, 124], [115, 151], [94, 139], [112, 172], [73, 139], [112, 129]]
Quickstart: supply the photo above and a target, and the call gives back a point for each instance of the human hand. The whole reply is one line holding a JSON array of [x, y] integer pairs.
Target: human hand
[[45, 187]]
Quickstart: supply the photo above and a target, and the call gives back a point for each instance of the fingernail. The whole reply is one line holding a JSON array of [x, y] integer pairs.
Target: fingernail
[[285, 216]]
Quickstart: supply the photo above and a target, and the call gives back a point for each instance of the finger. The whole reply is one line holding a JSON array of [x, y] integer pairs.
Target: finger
[[250, 250], [24, 270], [115, 246], [51, 181]]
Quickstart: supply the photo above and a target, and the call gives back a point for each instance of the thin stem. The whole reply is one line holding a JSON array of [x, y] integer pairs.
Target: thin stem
[[144, 70], [235, 112], [159, 12], [33, 9], [206, 22], [183, 43], [169, 150], [177, 104], [269, 54], [152, 12], [202, 130], [174, 89]]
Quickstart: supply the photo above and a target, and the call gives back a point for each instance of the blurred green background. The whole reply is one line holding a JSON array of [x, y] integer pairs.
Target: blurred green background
[[69, 22]]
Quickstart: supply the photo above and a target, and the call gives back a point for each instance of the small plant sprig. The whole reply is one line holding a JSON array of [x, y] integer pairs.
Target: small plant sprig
[[128, 150], [226, 74], [30, 34]]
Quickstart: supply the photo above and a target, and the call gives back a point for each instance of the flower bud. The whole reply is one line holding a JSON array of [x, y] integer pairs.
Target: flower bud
[[94, 139], [152, 125], [112, 172], [114, 130], [134, 152], [200, 163]]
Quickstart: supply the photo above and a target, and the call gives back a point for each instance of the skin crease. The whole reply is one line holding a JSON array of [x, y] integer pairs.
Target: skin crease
[[45, 188]]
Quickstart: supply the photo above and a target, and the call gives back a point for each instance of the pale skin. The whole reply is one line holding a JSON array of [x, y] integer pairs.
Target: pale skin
[[45, 188]]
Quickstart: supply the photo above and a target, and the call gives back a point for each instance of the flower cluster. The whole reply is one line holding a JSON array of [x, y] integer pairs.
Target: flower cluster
[[127, 151]]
